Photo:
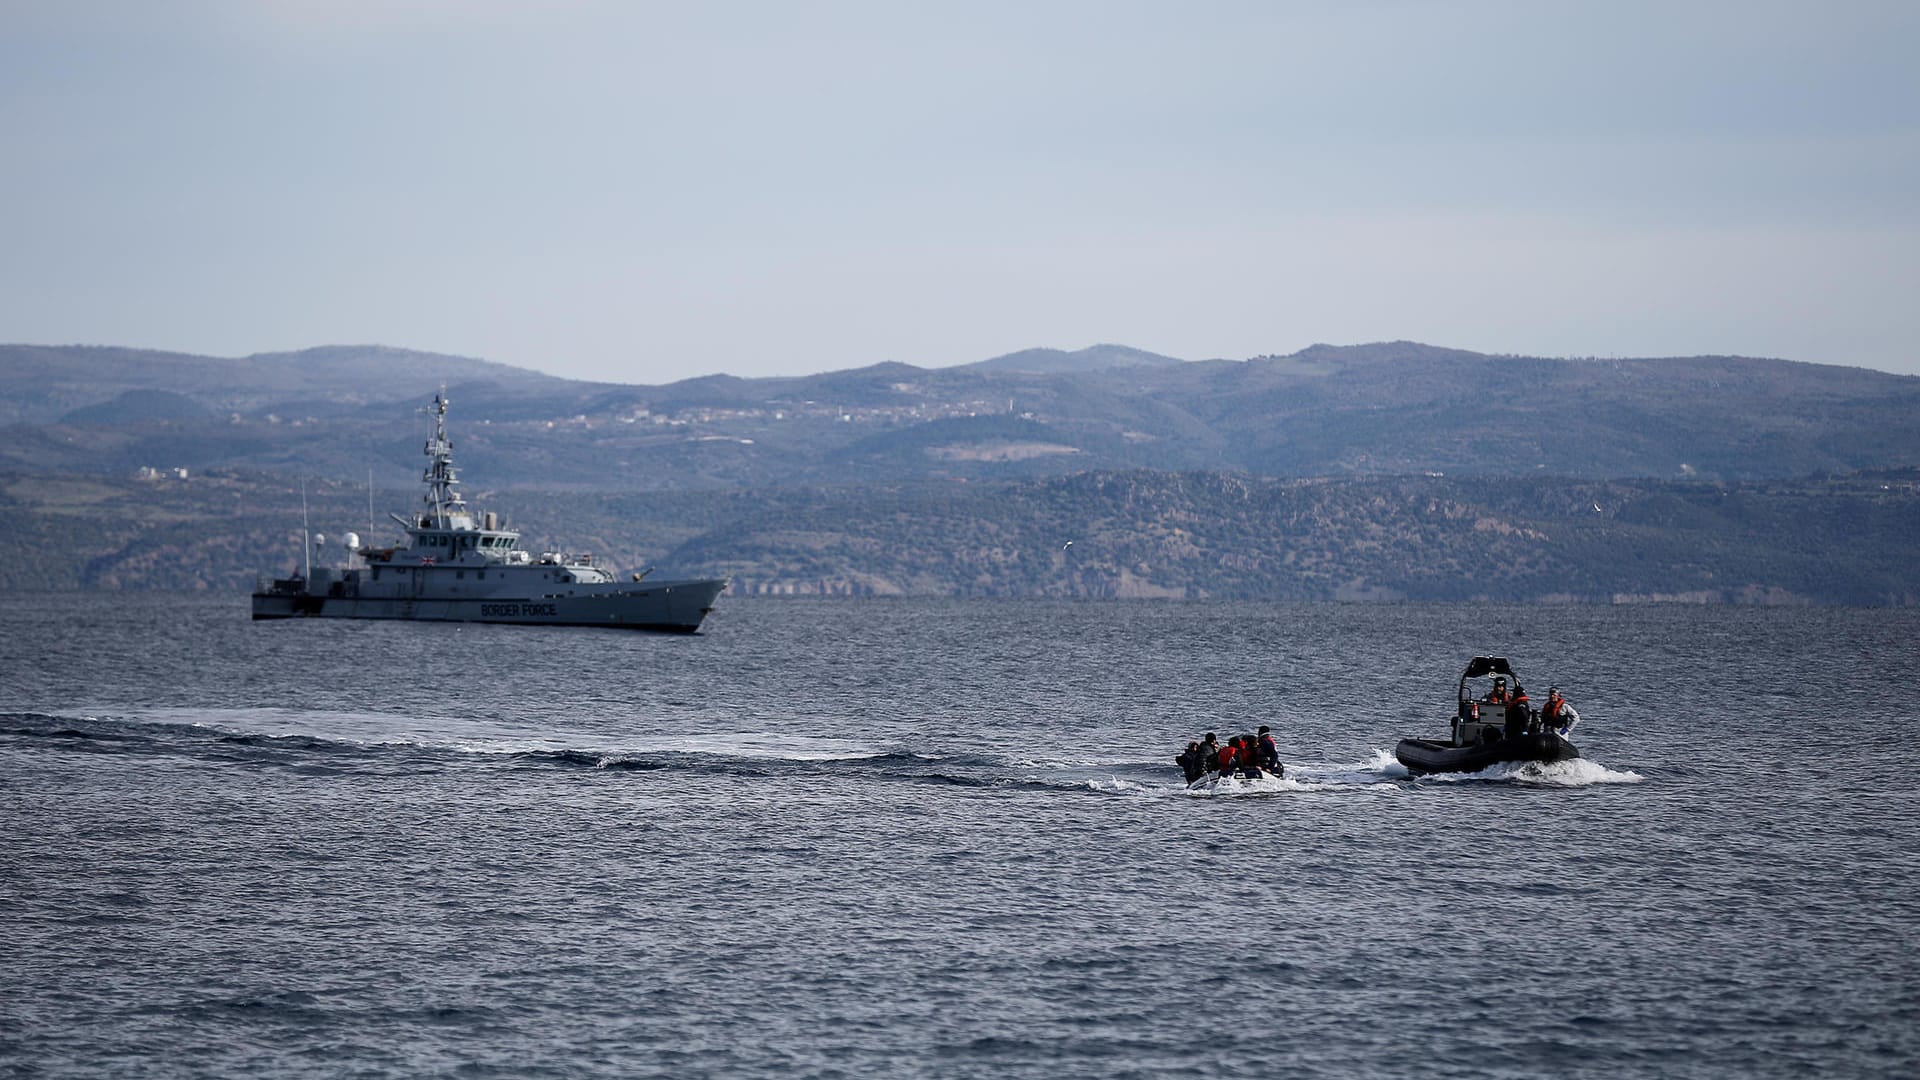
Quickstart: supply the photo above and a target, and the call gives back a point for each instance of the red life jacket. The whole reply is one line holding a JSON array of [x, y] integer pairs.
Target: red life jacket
[[1551, 710], [1227, 754]]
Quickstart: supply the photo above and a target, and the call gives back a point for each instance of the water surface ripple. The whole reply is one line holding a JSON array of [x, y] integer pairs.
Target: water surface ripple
[[887, 838]]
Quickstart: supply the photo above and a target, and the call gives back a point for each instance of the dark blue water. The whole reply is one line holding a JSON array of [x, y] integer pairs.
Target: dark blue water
[[871, 838]]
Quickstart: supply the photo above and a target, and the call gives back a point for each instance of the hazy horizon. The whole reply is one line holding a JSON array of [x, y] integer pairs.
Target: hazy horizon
[[642, 193]]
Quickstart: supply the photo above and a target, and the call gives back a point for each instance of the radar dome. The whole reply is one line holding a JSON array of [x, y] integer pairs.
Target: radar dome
[[351, 540], [319, 539]]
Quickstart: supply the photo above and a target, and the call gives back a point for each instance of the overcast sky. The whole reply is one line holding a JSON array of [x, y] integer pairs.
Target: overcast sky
[[644, 192]]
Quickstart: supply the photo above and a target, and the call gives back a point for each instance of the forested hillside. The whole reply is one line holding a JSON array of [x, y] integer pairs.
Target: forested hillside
[[1133, 534]]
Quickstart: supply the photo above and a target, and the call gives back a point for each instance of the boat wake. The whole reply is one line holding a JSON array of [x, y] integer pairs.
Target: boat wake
[[1228, 786], [320, 742], [1578, 772], [1306, 777], [1381, 773], [375, 739]]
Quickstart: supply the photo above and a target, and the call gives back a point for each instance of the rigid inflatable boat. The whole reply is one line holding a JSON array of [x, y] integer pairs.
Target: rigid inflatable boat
[[1489, 731]]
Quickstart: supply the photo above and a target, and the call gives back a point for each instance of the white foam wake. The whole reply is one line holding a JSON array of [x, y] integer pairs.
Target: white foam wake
[[1380, 766], [1382, 775], [484, 737], [1218, 786], [1579, 772]]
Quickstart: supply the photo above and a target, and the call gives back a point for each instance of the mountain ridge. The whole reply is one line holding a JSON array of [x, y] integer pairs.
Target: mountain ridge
[[1376, 409], [1388, 471]]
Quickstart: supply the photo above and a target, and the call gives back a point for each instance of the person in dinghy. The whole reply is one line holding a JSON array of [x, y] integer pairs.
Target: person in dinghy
[[1245, 756]]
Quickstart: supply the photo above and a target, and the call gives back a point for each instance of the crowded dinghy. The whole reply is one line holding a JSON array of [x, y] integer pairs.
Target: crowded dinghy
[[1207, 761]]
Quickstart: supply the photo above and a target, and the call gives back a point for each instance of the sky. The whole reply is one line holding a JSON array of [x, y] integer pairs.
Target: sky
[[643, 192]]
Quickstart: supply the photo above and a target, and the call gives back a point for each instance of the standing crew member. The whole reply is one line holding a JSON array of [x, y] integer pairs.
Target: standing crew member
[[1556, 715]]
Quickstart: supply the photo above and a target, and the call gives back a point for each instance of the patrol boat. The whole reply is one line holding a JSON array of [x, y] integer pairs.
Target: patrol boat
[[1486, 732], [459, 568]]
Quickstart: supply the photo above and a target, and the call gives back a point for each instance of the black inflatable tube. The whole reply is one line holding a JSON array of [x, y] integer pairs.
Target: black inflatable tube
[[1423, 756]]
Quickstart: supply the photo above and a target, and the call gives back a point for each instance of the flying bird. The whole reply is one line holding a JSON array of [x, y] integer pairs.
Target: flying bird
[[1066, 545]]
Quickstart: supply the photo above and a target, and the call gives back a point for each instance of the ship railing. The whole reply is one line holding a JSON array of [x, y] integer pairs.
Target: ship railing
[[558, 558]]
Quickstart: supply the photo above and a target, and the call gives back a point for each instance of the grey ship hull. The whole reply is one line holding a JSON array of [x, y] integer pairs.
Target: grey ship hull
[[672, 606]]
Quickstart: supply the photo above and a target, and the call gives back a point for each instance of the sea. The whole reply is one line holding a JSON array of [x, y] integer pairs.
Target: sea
[[932, 838]]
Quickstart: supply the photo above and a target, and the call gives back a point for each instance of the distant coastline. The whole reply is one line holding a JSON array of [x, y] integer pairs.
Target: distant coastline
[[1138, 534], [1394, 471]]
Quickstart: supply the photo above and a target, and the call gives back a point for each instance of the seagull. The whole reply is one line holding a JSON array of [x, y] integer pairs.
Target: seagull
[[1066, 545], [1596, 508]]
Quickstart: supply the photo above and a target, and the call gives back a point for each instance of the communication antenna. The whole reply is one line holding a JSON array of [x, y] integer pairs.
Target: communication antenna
[[369, 504], [306, 532]]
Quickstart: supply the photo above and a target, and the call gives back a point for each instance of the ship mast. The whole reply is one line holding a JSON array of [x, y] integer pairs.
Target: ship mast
[[445, 508]]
